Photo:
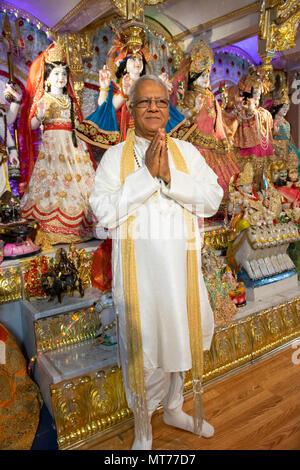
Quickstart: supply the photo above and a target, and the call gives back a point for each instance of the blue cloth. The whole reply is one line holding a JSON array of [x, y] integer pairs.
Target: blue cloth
[[104, 116], [175, 118], [285, 135]]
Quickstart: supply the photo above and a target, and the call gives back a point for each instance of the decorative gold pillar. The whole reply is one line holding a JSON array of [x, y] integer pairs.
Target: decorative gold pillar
[[279, 20], [78, 47], [130, 9]]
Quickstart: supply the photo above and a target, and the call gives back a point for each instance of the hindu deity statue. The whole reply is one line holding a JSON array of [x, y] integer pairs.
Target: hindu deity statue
[[286, 181], [56, 183], [253, 137], [218, 286], [204, 126], [229, 97], [283, 145], [245, 205], [8, 149], [126, 61]]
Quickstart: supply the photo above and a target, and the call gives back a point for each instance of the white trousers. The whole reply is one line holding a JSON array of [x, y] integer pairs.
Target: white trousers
[[165, 388], [161, 387]]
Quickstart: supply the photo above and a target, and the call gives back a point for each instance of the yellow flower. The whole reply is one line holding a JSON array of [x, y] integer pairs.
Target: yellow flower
[[62, 158], [78, 178], [68, 177], [62, 193]]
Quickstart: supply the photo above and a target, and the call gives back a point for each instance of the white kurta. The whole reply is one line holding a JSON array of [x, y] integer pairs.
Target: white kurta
[[160, 247]]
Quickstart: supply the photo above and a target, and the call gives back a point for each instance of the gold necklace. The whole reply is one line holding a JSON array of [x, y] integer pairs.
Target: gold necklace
[[63, 101]]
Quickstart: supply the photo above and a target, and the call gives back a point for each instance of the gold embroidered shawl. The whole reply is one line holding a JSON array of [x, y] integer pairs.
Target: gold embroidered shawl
[[133, 324]]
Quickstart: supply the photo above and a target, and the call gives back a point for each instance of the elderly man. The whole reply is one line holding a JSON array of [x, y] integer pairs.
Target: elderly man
[[149, 191]]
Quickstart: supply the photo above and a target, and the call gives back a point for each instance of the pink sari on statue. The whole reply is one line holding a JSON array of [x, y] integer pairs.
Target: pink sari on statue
[[210, 138]]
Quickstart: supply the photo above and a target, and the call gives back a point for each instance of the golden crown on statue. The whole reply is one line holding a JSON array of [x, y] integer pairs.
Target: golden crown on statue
[[245, 176], [202, 58], [133, 35], [56, 53]]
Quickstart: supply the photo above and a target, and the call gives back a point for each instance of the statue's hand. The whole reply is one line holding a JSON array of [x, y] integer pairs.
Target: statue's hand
[[198, 103], [126, 84], [14, 158], [164, 77], [104, 78], [10, 90], [40, 111]]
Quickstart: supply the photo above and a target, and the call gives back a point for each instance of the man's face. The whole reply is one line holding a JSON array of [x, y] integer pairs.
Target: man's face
[[148, 120]]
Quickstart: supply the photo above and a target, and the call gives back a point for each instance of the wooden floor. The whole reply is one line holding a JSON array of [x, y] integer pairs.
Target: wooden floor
[[256, 408]]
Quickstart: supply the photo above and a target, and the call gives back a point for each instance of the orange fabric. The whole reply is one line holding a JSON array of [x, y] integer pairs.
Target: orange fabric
[[101, 271], [20, 399]]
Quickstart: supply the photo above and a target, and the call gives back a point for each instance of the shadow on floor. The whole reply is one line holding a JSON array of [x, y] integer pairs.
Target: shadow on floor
[[46, 437]]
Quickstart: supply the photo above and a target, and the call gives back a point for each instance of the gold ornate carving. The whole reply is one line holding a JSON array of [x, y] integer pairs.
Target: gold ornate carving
[[279, 20], [66, 329], [77, 47], [88, 405], [130, 9], [121, 6], [10, 284], [219, 239]]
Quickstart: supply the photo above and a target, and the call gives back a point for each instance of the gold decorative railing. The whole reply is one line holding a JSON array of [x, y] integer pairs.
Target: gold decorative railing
[[88, 405], [66, 329]]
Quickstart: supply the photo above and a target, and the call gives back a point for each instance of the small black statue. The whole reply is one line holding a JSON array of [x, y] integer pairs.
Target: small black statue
[[64, 278], [9, 208]]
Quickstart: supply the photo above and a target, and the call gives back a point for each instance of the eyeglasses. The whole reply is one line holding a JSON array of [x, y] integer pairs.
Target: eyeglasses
[[146, 103]]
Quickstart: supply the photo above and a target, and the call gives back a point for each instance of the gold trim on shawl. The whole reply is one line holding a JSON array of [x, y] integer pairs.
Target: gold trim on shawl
[[133, 324]]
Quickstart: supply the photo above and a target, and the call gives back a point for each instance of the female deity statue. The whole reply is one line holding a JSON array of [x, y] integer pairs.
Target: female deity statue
[[253, 137], [204, 126], [245, 205], [57, 185], [229, 96], [8, 149], [283, 145], [286, 182], [125, 63]]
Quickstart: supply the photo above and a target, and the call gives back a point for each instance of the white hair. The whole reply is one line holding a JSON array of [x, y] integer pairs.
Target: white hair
[[154, 78]]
